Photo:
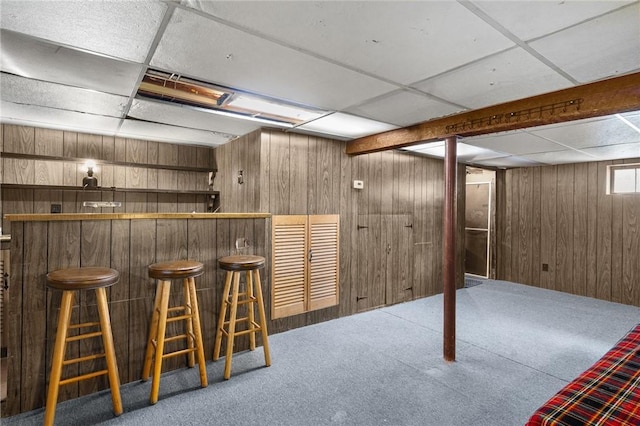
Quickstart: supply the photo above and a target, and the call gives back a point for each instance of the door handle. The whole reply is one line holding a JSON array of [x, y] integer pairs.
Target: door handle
[[310, 255]]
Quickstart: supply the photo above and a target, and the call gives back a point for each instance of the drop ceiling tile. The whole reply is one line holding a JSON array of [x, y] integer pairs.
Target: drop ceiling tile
[[185, 116], [401, 41], [596, 49], [532, 19], [21, 90], [247, 62], [615, 152], [465, 153], [29, 57], [590, 133], [633, 118], [513, 74], [403, 108], [164, 133], [561, 157], [508, 162], [37, 116], [515, 143], [345, 126], [122, 29]]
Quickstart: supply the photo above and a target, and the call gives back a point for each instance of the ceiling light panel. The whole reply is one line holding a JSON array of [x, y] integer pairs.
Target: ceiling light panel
[[590, 133], [163, 133], [492, 80], [403, 108], [345, 126], [373, 36], [178, 115], [38, 116], [33, 58], [464, 152], [249, 63], [532, 19], [21, 90], [614, 152], [508, 162], [601, 48], [123, 29]]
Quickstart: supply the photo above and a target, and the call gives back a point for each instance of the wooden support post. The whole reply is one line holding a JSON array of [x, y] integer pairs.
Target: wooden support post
[[449, 267]]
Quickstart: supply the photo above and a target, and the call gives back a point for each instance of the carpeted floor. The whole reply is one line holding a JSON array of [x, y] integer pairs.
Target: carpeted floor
[[516, 346]]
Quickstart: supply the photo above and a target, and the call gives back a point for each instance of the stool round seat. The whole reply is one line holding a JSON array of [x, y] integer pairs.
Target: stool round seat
[[241, 262], [176, 269], [85, 278]]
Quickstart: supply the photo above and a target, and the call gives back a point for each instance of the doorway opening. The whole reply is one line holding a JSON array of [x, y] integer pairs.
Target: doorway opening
[[479, 262]]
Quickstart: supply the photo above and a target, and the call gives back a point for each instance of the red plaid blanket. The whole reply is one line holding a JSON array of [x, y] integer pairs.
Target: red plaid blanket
[[608, 393]]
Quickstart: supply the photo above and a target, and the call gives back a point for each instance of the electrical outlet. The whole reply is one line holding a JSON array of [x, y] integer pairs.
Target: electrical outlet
[[56, 208], [545, 267], [358, 184]]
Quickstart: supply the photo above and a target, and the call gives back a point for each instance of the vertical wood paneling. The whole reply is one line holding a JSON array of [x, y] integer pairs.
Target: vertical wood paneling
[[515, 230], [19, 139], [525, 222], [279, 182], [617, 246], [564, 230], [603, 289], [548, 182], [89, 146], [505, 245], [580, 232], [13, 339], [299, 173], [592, 230], [49, 142], [535, 228], [70, 144]]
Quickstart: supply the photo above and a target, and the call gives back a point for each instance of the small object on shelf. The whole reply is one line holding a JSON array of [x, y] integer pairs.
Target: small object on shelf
[[99, 204]]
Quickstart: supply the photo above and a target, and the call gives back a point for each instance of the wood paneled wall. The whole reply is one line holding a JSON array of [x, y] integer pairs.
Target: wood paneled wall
[[561, 216], [390, 231], [122, 163], [128, 246]]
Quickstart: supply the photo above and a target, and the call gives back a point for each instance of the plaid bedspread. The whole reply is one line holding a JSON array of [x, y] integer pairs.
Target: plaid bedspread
[[608, 393]]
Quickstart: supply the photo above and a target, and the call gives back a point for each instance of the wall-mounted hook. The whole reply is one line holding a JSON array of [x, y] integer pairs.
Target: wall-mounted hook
[[240, 177]]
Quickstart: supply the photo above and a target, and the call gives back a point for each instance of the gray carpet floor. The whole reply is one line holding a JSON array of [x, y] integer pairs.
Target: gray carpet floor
[[516, 346]]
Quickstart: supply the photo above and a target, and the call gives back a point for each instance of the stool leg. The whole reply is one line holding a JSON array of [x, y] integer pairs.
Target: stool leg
[[162, 327], [189, 322], [58, 356], [263, 319], [197, 330], [232, 324], [222, 315], [252, 334], [110, 354], [153, 333]]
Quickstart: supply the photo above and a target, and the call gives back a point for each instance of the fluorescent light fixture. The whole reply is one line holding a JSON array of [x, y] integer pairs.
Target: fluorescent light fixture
[[176, 89], [346, 126], [464, 151]]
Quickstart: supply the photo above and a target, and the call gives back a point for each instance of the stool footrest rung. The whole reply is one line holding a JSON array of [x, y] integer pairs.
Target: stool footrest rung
[[83, 336], [83, 377], [179, 318], [180, 352], [243, 301], [179, 337], [177, 308], [83, 325], [82, 359], [243, 332]]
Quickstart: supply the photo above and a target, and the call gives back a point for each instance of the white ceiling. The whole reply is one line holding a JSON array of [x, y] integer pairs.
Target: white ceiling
[[76, 66]]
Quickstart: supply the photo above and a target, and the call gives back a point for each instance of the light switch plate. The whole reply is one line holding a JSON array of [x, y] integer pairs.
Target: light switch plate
[[358, 184]]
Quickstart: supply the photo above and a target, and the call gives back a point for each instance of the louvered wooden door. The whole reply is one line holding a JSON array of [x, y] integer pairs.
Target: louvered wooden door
[[305, 263]]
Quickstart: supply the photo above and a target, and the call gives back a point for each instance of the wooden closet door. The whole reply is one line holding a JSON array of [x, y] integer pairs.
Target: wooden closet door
[[323, 261], [289, 259]]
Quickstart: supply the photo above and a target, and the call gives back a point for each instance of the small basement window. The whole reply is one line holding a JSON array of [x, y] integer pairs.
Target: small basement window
[[623, 179]]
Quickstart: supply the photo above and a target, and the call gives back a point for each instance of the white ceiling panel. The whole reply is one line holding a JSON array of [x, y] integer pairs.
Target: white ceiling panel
[[185, 116], [509, 162], [493, 80], [614, 152], [465, 152], [21, 90], [589, 133], [33, 58], [403, 108], [246, 62], [532, 19], [37, 116], [632, 119], [561, 157], [515, 143], [372, 36], [604, 47], [162, 132], [123, 29]]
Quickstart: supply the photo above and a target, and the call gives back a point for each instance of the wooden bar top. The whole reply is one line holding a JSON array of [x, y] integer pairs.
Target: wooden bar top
[[128, 216]]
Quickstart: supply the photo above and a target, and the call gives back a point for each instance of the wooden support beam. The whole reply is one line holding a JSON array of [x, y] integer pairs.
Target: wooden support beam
[[600, 98], [449, 255]]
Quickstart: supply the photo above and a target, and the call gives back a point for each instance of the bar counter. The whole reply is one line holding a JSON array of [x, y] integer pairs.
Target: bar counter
[[129, 243]]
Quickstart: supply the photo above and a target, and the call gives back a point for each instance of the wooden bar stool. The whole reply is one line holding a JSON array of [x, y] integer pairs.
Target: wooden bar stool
[[69, 281], [234, 265], [188, 312]]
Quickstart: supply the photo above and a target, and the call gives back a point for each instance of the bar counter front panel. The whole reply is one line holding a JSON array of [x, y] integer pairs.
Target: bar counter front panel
[[128, 243]]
